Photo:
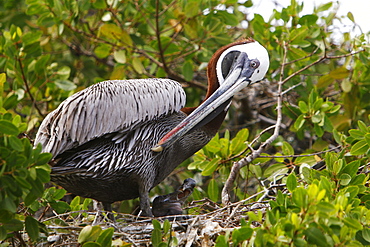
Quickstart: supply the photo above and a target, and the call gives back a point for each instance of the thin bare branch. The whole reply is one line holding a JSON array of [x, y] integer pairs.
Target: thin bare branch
[[28, 89], [318, 61], [300, 155], [158, 35]]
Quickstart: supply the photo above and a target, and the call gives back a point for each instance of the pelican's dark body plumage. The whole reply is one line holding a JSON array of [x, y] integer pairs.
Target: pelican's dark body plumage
[[118, 139]]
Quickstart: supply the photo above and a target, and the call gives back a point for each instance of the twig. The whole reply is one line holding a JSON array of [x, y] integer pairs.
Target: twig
[[325, 56], [299, 155], [291, 88], [28, 89], [158, 35]]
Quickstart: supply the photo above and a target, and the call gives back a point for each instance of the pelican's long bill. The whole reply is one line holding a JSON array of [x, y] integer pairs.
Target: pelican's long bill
[[246, 68]]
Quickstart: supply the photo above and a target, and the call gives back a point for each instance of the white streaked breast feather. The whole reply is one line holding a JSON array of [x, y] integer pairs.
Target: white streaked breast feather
[[107, 107]]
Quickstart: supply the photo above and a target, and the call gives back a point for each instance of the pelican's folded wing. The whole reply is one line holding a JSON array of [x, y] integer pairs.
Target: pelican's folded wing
[[107, 107]]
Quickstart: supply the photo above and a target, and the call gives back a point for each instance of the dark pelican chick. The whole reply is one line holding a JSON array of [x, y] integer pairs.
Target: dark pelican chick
[[171, 204], [116, 140]]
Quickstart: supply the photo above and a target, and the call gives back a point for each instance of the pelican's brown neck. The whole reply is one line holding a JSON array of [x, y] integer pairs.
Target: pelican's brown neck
[[213, 83]]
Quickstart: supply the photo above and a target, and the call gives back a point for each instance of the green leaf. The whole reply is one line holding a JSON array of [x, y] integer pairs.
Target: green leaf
[[228, 18], [89, 233], [345, 179], [324, 81], [325, 207], [156, 224], [99, 4], [298, 34], [166, 226], [43, 158], [315, 236], [190, 31], [298, 124], [40, 65], [103, 50], [238, 142], [367, 138], [8, 127], [120, 56], [359, 148], [352, 223], [3, 234], [339, 73], [291, 182], [303, 106], [211, 167], [356, 134], [32, 228], [241, 234], [5, 215], [16, 143], [316, 118], [22, 182], [346, 85], [366, 234], [358, 180], [299, 196], [59, 193], [60, 206], [187, 70], [323, 7], [105, 237], [275, 169], [287, 149], [138, 66], [43, 175], [13, 225], [351, 168], [221, 241], [64, 72], [318, 130], [308, 20], [156, 237], [350, 16], [65, 85], [115, 34], [362, 126], [191, 9], [213, 190], [35, 9]]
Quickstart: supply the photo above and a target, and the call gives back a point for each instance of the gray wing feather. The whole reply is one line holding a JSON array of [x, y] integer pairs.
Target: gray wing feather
[[107, 107]]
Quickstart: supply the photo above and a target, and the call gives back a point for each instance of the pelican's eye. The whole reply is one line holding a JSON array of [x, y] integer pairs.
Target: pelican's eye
[[254, 63]]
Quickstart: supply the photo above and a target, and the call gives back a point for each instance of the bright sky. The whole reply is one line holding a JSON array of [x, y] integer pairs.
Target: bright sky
[[359, 8]]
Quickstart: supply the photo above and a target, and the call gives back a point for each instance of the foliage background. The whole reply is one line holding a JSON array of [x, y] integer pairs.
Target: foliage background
[[50, 49]]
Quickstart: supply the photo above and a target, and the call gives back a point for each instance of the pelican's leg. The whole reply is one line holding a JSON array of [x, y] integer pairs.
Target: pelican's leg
[[108, 207], [145, 204]]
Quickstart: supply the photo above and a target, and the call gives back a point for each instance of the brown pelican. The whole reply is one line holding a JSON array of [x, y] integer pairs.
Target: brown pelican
[[171, 204], [117, 139]]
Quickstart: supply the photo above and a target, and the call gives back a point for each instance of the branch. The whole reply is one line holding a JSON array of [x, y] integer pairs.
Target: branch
[[28, 89], [299, 155], [325, 56], [158, 35]]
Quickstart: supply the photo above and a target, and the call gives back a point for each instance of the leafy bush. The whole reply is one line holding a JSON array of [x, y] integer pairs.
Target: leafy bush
[[24, 170]]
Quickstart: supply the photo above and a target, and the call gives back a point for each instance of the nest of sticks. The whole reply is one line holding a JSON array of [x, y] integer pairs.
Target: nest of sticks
[[190, 230]]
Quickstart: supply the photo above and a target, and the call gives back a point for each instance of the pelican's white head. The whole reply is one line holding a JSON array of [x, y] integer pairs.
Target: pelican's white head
[[257, 61]]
